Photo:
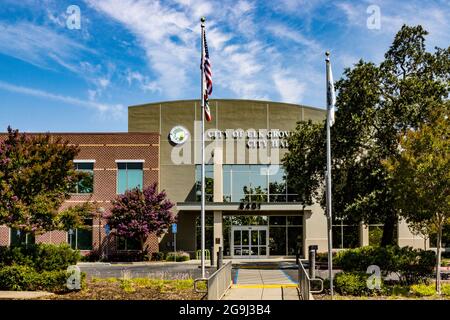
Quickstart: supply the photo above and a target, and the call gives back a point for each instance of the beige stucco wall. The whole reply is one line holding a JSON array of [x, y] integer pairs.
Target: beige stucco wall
[[407, 238], [178, 180]]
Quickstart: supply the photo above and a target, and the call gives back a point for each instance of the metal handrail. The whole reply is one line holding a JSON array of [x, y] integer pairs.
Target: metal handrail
[[304, 283], [217, 284]]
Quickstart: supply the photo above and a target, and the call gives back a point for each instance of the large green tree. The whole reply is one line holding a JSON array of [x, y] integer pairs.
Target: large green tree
[[421, 177], [374, 104], [36, 175]]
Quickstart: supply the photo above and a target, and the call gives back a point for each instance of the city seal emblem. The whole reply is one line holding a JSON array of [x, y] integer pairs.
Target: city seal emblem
[[178, 135]]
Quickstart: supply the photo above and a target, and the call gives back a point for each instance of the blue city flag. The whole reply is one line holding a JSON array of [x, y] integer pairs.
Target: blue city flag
[[174, 228]]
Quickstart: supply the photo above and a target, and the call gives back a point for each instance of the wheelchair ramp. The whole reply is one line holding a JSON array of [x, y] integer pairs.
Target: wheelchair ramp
[[262, 284]]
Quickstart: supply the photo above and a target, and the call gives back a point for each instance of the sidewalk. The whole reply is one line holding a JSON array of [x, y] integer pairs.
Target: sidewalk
[[23, 295]]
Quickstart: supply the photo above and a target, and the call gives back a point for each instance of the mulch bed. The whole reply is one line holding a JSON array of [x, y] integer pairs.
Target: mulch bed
[[338, 297], [103, 290]]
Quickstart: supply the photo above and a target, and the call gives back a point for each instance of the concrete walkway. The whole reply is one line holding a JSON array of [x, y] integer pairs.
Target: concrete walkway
[[262, 284], [23, 295]]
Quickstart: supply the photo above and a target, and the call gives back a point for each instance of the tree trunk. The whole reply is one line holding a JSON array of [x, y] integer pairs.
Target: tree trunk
[[389, 230], [142, 240], [438, 260]]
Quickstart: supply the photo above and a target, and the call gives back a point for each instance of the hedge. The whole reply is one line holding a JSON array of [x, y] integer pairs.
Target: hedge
[[41, 257], [353, 283], [25, 278], [180, 256], [412, 265]]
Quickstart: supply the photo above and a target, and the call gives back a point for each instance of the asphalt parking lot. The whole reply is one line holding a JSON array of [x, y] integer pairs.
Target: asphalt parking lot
[[157, 271], [172, 270]]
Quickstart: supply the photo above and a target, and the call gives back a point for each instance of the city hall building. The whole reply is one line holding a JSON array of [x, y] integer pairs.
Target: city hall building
[[251, 212], [250, 209]]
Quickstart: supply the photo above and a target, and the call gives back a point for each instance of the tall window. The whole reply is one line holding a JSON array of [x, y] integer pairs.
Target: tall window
[[247, 183], [209, 182], [81, 239], [86, 183], [130, 175], [209, 232], [19, 238], [345, 233]]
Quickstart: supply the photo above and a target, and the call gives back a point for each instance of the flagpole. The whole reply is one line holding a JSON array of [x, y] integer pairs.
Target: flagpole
[[328, 178], [202, 99]]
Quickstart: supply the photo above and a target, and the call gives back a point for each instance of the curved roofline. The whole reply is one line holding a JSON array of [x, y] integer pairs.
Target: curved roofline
[[263, 101]]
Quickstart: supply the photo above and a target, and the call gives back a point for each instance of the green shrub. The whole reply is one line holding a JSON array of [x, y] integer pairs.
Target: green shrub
[[412, 265], [423, 290], [351, 284], [25, 278], [91, 256], [17, 278], [180, 256], [42, 257], [51, 257], [157, 256]]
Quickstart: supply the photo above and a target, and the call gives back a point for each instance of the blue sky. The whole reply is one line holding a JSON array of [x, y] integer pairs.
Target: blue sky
[[129, 52]]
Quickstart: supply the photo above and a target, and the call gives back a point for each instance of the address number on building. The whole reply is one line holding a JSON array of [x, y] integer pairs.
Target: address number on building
[[249, 206]]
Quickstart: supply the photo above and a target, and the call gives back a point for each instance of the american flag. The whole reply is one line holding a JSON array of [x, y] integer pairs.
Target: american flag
[[207, 78]]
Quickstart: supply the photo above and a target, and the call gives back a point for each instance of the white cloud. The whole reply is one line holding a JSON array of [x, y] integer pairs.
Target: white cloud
[[290, 89], [116, 111], [154, 24], [143, 82], [287, 33], [40, 46]]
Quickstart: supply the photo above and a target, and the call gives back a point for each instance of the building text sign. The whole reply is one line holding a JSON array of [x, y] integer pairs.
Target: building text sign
[[262, 138]]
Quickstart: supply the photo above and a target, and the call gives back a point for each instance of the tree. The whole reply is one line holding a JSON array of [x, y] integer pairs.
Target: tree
[[36, 173], [421, 177], [374, 104], [137, 214]]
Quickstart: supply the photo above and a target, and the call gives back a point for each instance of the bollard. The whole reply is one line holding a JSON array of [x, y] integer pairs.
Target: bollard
[[312, 261], [211, 256], [219, 258]]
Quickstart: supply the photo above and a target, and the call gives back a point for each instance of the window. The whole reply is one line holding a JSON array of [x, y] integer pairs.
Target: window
[[345, 233], [86, 183], [19, 238], [128, 244], [209, 232], [286, 235], [209, 183], [247, 183], [445, 238], [81, 239], [130, 175]]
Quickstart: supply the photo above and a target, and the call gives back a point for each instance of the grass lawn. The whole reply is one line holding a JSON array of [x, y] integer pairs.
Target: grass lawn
[[133, 289]]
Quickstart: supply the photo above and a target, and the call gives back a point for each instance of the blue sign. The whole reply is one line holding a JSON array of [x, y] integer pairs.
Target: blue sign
[[107, 229], [174, 228]]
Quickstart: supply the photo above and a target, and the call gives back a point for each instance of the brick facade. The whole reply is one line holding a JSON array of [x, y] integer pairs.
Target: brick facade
[[105, 149]]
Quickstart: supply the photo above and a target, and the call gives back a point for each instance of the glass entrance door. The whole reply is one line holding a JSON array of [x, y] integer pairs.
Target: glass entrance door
[[249, 241]]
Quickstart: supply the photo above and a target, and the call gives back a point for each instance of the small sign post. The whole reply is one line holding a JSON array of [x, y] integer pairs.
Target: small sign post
[[174, 231], [107, 232]]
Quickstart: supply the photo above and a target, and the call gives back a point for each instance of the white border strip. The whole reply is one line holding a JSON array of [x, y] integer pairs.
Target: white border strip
[[83, 160], [130, 160]]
